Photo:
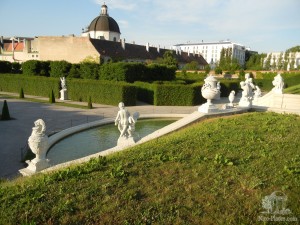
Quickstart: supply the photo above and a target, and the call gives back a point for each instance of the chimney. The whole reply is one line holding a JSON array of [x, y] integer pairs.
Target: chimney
[[123, 43], [147, 47], [158, 48]]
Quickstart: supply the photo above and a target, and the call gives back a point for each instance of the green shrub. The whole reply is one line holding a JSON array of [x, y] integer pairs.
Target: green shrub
[[89, 70], [52, 97], [21, 95], [44, 68], [59, 68], [5, 66], [218, 70], [156, 72], [31, 67], [184, 95], [39, 86], [145, 92], [15, 67], [103, 92], [228, 85], [90, 104], [5, 112], [74, 71]]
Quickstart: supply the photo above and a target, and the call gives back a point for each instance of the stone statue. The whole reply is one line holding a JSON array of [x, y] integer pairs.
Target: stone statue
[[231, 98], [38, 143], [218, 96], [257, 92], [126, 125], [247, 86], [63, 91], [278, 84], [63, 83]]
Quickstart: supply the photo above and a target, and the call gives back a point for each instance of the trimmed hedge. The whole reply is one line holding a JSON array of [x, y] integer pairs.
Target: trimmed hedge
[[5, 66], [130, 72], [59, 68], [39, 86], [181, 95], [228, 85], [104, 92], [31, 67], [145, 92]]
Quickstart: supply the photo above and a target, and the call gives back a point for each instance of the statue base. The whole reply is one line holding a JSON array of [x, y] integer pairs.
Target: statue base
[[126, 141], [208, 108], [34, 166], [246, 104], [63, 95]]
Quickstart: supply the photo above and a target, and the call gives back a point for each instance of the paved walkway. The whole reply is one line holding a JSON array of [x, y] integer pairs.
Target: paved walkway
[[15, 133]]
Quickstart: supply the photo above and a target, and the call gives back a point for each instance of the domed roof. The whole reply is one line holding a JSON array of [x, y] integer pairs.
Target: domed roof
[[104, 22]]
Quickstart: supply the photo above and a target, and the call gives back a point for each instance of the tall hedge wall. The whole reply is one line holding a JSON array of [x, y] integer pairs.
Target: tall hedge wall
[[39, 86], [103, 92], [145, 92]]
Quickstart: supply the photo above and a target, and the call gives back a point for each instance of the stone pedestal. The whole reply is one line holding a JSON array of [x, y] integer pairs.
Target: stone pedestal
[[208, 108], [34, 166], [63, 94], [245, 103], [126, 141]]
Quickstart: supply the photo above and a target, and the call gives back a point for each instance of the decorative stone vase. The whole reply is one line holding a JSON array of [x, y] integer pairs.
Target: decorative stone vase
[[209, 91]]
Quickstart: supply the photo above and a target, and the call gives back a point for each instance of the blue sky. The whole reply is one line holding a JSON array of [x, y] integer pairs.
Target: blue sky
[[262, 25]]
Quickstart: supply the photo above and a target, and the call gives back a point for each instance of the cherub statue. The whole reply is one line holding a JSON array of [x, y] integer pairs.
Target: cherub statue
[[122, 119], [132, 121], [278, 84], [63, 83]]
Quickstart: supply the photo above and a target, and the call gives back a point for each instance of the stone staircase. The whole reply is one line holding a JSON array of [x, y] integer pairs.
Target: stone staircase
[[278, 102]]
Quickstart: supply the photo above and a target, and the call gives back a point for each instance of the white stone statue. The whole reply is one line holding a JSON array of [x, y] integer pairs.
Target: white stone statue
[[126, 125], [38, 143], [278, 84], [247, 95], [209, 91], [231, 98], [218, 96], [257, 92], [63, 91]]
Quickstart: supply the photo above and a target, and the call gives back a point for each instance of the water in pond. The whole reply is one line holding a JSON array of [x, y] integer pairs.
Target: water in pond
[[98, 139]]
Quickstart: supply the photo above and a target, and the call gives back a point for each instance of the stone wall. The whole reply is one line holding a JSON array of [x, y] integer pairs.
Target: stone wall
[[69, 48]]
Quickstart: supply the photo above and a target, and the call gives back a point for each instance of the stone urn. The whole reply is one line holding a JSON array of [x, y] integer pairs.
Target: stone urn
[[209, 91]]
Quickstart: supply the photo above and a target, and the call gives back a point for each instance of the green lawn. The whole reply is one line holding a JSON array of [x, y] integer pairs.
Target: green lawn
[[213, 172]]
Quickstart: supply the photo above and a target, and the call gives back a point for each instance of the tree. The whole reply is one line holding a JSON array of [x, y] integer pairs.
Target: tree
[[267, 65], [169, 59], [207, 69], [194, 65], [5, 112]]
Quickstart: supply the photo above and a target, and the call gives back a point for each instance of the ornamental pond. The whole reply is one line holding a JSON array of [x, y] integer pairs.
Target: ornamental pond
[[98, 139]]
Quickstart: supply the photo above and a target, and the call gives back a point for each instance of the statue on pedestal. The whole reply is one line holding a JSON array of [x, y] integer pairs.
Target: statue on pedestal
[[38, 143], [278, 84], [63, 91], [247, 95], [126, 125]]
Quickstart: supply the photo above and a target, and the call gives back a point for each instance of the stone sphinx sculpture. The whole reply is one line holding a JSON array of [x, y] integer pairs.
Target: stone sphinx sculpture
[[63, 91], [38, 143], [278, 84], [126, 125]]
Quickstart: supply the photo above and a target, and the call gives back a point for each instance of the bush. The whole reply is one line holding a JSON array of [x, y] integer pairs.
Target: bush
[[89, 70], [15, 67], [131, 72], [103, 92], [145, 92], [218, 70], [31, 67], [5, 112], [52, 97], [44, 68], [59, 68], [39, 86], [90, 104], [184, 95], [21, 95], [5, 66], [227, 86], [74, 71]]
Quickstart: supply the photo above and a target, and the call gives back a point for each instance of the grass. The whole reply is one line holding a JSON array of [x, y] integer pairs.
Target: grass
[[213, 172], [292, 90]]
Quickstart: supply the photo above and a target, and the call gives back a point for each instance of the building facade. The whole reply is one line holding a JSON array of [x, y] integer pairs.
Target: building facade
[[211, 51], [281, 60]]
